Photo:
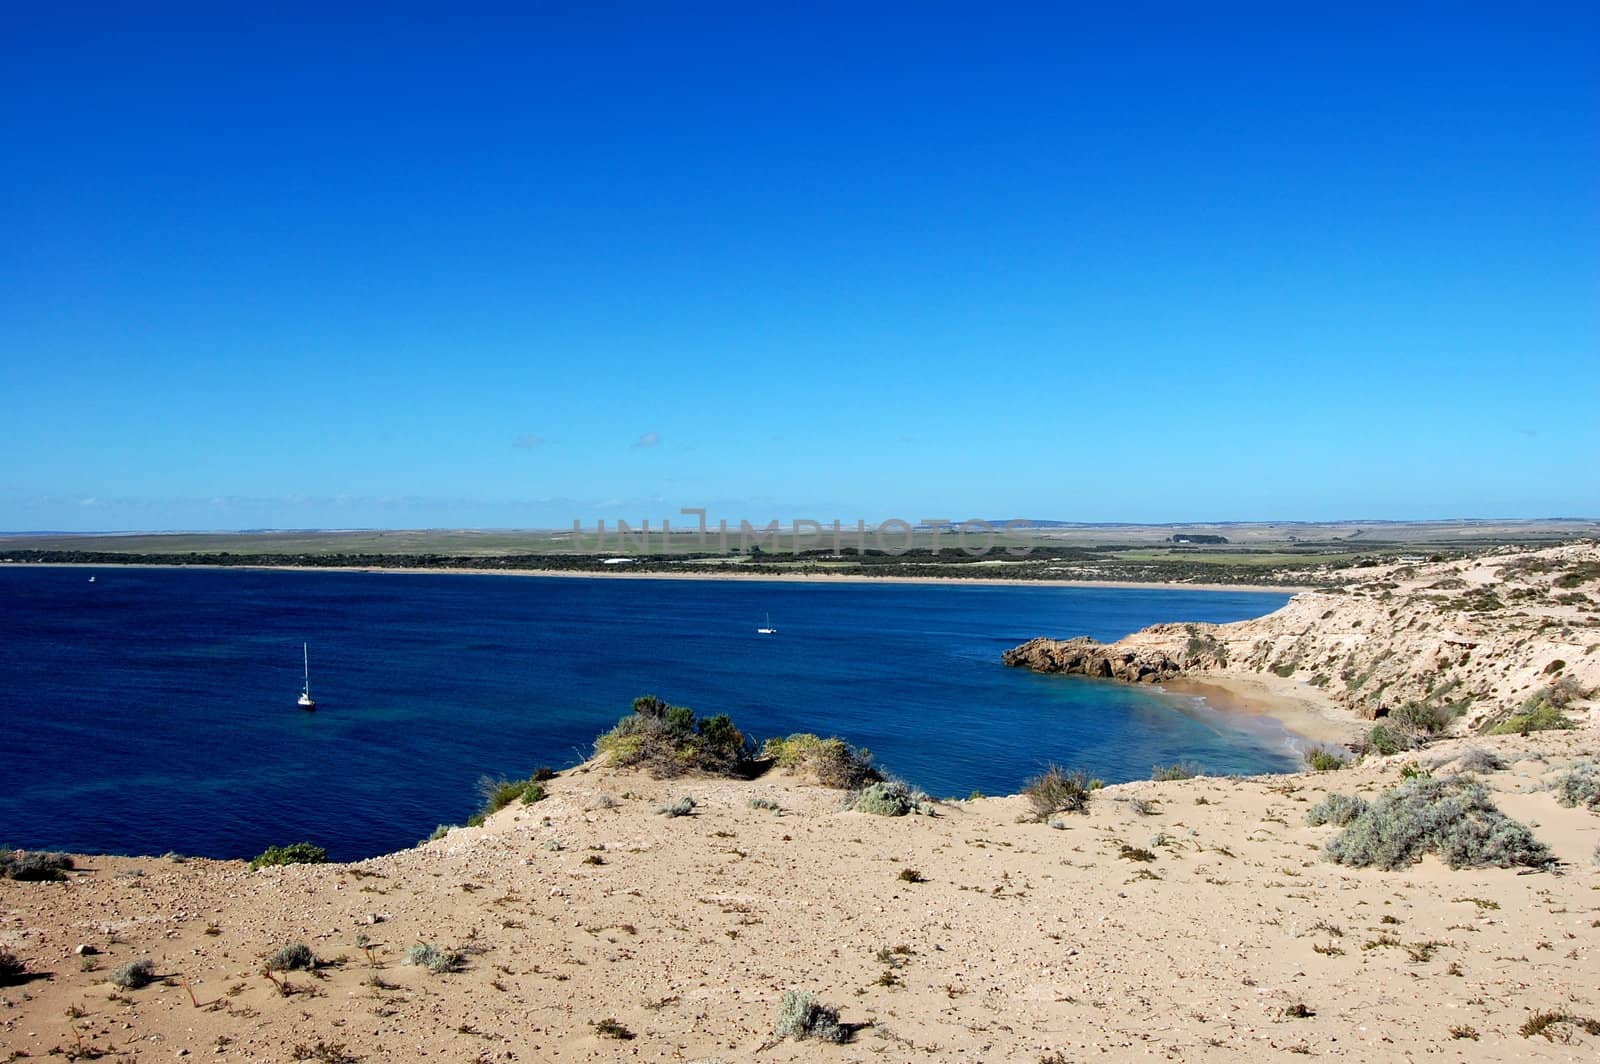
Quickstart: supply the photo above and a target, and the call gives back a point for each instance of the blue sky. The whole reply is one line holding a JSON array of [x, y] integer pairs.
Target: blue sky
[[407, 267]]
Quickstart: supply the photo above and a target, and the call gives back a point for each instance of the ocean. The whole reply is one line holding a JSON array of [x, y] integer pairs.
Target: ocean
[[153, 710]]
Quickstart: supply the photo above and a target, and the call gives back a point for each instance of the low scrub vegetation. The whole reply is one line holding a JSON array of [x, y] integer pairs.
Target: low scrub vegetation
[[801, 1016], [134, 975], [296, 956], [499, 793], [436, 960], [1477, 759], [1543, 711], [1055, 790], [834, 762], [1451, 817], [1320, 760], [12, 968], [1178, 770], [1336, 809], [669, 741], [676, 808], [33, 865], [891, 798], [1579, 785], [295, 853]]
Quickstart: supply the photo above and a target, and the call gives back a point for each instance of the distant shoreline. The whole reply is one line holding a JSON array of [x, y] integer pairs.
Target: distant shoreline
[[794, 578]]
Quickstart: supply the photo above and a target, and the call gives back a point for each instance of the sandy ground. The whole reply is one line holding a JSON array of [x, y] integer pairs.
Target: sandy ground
[[782, 578], [974, 935], [1299, 707]]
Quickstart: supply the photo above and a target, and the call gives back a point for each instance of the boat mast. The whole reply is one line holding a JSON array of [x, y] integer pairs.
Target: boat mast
[[305, 649]]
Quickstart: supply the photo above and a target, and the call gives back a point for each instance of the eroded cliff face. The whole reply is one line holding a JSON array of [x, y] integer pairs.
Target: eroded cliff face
[[1479, 637]]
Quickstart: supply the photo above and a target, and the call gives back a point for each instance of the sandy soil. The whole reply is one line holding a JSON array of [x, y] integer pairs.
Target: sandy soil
[[1299, 707], [1013, 941]]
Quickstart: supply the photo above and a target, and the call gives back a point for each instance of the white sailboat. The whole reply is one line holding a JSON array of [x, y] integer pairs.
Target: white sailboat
[[306, 701], [768, 630]]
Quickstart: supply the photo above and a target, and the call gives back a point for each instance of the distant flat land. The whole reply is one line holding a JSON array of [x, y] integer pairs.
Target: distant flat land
[[1259, 553]]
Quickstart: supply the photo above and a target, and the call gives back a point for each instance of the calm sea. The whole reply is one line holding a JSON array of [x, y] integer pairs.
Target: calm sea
[[153, 710]]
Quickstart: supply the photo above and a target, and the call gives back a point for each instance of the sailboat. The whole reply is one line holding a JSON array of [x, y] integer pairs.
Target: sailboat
[[306, 701], [768, 630]]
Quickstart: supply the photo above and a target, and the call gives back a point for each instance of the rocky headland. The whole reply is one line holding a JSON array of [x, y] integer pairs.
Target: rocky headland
[[1477, 640]]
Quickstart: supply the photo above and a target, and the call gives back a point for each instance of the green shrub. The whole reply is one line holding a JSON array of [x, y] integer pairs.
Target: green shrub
[[1452, 817], [1336, 809], [297, 853], [436, 960], [800, 1016], [1320, 760], [890, 798], [291, 957], [499, 793], [1579, 786], [668, 741], [1534, 717], [1056, 790], [438, 833], [1421, 718], [764, 803], [681, 807], [34, 865], [1388, 739], [134, 975], [834, 762], [1178, 770]]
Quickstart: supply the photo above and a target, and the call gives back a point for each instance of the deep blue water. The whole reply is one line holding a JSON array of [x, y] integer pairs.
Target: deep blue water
[[153, 709]]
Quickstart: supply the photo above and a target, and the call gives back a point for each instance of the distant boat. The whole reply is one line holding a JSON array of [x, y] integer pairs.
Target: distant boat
[[307, 703], [91, 580], [768, 630]]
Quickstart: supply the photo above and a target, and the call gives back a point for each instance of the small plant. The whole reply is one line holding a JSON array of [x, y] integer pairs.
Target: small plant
[[679, 807], [436, 960], [1056, 790], [553, 845], [594, 859], [1540, 1023], [1299, 1011], [1477, 759], [1319, 760], [134, 975], [1451, 817], [439, 832], [610, 1028], [499, 793], [292, 957], [296, 853], [1413, 771], [834, 762], [1388, 739], [911, 875], [890, 798], [12, 967], [800, 1016], [34, 866], [1462, 1030], [1579, 786], [1336, 809], [1134, 853], [769, 804], [324, 1053], [1179, 770]]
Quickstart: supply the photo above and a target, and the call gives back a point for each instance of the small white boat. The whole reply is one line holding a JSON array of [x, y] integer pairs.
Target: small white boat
[[91, 580], [768, 630], [306, 701]]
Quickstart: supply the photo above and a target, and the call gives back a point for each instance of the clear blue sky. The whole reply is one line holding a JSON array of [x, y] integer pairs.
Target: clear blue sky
[[407, 267]]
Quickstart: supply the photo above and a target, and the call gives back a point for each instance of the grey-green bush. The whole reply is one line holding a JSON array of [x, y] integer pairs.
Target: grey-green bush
[[291, 957], [890, 798], [1336, 809], [1580, 785], [436, 960], [134, 974], [34, 865], [1452, 817], [800, 1016], [680, 807]]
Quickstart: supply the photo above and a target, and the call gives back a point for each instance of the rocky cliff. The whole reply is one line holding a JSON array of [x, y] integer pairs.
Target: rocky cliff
[[1478, 639]]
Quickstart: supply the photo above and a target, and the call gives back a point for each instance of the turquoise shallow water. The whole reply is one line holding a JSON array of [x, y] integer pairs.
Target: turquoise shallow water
[[153, 709]]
